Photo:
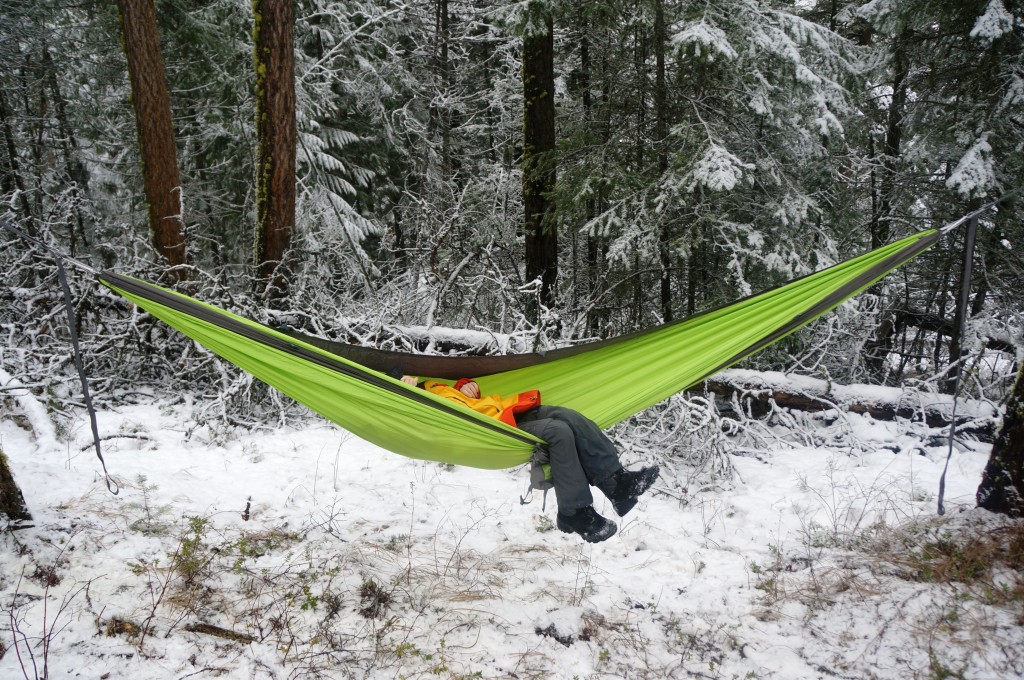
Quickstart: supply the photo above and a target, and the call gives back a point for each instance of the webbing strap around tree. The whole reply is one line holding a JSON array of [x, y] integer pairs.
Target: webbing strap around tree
[[965, 293]]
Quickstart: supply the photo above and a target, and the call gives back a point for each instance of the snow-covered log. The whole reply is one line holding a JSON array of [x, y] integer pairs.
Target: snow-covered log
[[758, 390]]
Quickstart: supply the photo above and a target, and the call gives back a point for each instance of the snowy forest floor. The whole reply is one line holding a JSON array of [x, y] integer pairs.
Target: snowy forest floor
[[303, 552]]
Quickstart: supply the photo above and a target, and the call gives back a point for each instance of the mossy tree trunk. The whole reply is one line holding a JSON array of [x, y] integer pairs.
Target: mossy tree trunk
[[273, 38], [1002, 484], [12, 502], [152, 105], [539, 159]]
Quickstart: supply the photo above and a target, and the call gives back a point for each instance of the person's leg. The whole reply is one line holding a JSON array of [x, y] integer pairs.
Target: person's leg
[[600, 460], [597, 453], [572, 489], [576, 512]]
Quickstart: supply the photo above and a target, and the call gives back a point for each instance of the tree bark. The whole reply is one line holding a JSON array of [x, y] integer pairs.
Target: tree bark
[[1002, 483], [273, 28], [539, 160], [881, 223], [155, 131], [75, 169], [12, 180], [661, 141], [12, 502]]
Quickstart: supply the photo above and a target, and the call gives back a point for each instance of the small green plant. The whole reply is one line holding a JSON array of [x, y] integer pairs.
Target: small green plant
[[397, 543], [151, 522], [543, 524], [404, 649], [939, 671], [192, 560]]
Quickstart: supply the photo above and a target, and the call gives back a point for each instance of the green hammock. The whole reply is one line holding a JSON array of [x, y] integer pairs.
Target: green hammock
[[608, 381]]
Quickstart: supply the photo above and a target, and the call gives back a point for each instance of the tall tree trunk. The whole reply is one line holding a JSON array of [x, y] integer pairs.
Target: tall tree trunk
[[1002, 484], [592, 262], [156, 133], [273, 28], [876, 350], [661, 142], [75, 169], [539, 160], [11, 178], [881, 222], [443, 75]]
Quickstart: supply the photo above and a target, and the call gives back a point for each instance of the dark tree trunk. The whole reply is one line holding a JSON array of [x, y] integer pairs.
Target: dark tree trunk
[[1002, 484], [877, 349], [156, 133], [75, 169], [539, 160], [660, 140], [443, 112], [273, 29], [881, 227], [11, 178]]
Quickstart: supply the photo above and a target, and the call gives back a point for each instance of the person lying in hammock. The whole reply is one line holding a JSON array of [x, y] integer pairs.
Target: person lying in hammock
[[580, 454]]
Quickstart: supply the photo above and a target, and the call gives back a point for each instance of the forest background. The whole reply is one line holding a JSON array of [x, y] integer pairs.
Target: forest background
[[549, 172], [476, 176]]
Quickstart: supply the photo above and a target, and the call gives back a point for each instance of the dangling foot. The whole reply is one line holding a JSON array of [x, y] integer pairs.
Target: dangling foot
[[625, 487], [588, 524]]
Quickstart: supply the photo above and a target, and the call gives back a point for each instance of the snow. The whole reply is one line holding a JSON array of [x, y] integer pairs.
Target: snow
[[975, 172], [706, 40], [476, 584], [994, 23], [717, 170]]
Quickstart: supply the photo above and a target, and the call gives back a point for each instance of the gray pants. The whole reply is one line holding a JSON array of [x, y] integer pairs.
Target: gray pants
[[581, 455]]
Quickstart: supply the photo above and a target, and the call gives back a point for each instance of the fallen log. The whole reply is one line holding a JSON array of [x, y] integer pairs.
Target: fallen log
[[760, 391]]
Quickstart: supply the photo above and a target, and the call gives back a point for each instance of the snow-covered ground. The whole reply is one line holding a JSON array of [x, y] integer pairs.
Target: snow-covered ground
[[309, 553]]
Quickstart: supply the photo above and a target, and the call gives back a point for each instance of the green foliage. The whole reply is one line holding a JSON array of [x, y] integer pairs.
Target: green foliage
[[192, 559]]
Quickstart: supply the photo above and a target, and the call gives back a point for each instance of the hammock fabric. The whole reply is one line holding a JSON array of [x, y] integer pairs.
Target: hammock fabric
[[608, 380]]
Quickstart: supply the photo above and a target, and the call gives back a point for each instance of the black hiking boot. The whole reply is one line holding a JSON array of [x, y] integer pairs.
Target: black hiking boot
[[588, 524], [625, 487]]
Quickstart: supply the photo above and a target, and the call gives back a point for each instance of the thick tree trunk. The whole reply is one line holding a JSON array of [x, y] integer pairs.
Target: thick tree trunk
[[539, 160], [1002, 484], [273, 29], [156, 133]]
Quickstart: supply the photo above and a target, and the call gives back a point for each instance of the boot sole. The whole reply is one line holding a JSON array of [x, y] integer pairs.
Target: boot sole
[[622, 507], [595, 537]]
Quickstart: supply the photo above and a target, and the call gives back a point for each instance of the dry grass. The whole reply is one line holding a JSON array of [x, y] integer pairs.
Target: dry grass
[[987, 561]]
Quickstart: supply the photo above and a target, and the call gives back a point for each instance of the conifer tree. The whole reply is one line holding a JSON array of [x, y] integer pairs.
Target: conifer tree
[[273, 28], [155, 131], [538, 158]]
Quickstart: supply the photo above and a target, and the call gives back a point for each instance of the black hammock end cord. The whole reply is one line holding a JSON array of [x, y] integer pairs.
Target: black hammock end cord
[[76, 351]]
